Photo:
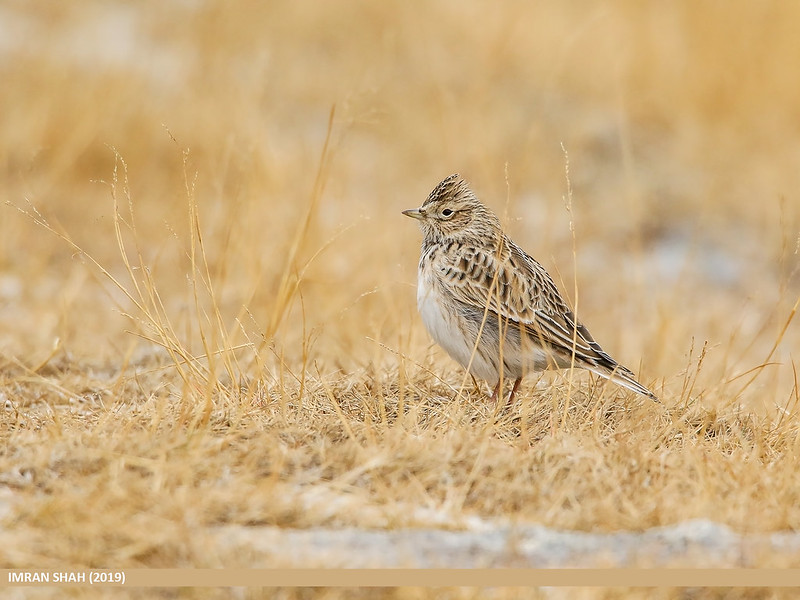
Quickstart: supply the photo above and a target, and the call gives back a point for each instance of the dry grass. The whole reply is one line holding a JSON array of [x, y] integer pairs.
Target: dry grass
[[207, 289]]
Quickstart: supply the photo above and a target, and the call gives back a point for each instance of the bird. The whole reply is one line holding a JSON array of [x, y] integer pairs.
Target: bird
[[494, 309]]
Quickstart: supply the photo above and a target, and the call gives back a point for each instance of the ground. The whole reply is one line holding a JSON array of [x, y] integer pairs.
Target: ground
[[208, 327]]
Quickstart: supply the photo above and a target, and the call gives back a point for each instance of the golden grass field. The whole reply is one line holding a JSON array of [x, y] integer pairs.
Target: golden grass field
[[207, 290]]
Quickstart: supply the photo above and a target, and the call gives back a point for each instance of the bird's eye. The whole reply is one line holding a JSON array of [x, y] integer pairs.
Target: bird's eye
[[447, 212]]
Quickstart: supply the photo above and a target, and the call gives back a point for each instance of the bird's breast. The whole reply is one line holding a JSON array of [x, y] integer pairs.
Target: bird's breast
[[448, 328]]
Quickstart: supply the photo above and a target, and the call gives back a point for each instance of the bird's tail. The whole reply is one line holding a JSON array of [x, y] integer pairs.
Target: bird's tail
[[625, 378]]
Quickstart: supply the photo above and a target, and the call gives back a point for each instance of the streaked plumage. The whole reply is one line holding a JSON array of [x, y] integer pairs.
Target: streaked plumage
[[473, 279]]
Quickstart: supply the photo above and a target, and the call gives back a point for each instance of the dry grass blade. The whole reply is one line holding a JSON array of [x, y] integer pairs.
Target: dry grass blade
[[290, 280], [758, 369]]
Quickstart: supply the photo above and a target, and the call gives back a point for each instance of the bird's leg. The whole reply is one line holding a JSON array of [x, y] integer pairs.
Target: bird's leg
[[496, 391], [514, 391]]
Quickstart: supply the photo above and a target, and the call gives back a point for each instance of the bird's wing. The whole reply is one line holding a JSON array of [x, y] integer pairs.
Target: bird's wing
[[512, 286], [518, 289]]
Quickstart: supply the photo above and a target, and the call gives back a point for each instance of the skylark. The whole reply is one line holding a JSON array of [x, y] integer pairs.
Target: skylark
[[493, 308]]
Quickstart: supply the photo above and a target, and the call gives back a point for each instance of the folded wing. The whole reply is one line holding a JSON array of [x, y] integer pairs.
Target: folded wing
[[518, 290]]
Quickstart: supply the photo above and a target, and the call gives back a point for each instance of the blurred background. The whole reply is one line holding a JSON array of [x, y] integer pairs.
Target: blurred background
[[678, 124]]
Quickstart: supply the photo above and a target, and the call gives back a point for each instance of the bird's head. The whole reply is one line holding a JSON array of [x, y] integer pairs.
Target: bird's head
[[452, 210]]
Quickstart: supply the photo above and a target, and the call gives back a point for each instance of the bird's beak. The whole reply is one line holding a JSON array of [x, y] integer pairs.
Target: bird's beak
[[414, 213]]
